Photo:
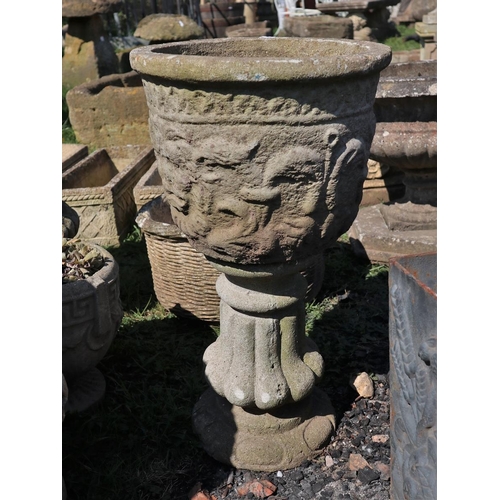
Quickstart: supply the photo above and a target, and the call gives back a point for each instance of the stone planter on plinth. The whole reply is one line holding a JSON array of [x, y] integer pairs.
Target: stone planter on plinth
[[91, 315], [262, 145]]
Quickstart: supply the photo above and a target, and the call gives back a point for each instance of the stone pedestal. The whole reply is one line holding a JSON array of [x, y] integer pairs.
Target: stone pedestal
[[370, 18], [88, 53], [262, 369]]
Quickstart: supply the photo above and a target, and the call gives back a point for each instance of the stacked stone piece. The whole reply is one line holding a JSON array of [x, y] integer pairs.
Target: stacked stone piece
[[88, 53]]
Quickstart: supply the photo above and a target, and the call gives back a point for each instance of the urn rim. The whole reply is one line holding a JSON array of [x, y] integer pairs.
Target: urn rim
[[260, 59], [107, 273]]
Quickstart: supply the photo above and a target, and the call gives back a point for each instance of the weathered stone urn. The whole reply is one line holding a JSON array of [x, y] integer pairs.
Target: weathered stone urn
[[91, 315], [262, 146]]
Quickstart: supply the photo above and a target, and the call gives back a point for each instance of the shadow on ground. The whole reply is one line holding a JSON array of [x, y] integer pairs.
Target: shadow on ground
[[138, 443]]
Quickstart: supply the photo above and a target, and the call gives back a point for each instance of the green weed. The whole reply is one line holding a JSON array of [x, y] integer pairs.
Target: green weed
[[398, 43]]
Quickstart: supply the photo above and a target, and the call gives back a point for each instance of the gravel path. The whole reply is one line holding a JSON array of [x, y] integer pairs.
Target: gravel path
[[355, 465]]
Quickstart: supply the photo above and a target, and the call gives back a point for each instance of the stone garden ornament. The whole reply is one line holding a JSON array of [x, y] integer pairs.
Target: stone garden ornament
[[262, 145]]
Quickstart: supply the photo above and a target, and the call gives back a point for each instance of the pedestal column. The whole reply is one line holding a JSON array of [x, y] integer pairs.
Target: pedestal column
[[263, 411]]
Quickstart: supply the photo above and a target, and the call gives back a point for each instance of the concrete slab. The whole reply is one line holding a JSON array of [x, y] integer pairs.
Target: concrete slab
[[371, 238]]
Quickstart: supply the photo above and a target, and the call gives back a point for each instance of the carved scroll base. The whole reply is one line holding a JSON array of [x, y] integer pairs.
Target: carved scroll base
[[264, 441]]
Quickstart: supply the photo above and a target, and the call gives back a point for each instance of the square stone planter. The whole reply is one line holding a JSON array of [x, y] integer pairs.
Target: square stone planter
[[73, 153], [148, 188], [100, 189], [413, 376], [110, 111]]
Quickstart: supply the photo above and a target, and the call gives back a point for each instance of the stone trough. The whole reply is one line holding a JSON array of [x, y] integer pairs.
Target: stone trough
[[109, 111], [72, 154], [148, 188], [100, 189]]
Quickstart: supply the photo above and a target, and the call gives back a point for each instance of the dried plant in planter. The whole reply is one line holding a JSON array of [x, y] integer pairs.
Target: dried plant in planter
[[79, 260]]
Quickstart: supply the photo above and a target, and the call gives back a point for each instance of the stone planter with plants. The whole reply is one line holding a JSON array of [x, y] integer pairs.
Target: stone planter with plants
[[91, 315]]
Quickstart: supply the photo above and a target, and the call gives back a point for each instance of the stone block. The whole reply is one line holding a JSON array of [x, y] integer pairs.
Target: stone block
[[110, 111], [100, 189], [322, 26], [85, 8], [164, 28], [88, 53]]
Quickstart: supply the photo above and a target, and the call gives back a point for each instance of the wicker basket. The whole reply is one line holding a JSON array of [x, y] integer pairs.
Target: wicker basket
[[183, 279]]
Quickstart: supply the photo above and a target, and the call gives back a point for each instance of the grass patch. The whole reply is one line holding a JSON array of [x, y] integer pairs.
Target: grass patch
[[138, 443], [398, 43]]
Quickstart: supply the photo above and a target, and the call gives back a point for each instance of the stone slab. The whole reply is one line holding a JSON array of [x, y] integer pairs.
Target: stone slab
[[404, 56], [262, 28], [73, 153], [322, 26], [353, 5], [371, 238], [110, 111], [100, 189]]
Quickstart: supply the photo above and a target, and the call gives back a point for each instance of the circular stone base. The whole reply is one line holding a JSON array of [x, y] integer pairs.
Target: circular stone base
[[260, 441], [85, 391], [372, 239]]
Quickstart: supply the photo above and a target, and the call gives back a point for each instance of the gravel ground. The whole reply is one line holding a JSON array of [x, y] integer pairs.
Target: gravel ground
[[355, 465]]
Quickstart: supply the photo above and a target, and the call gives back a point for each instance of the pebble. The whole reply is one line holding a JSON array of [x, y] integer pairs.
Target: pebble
[[367, 475]]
